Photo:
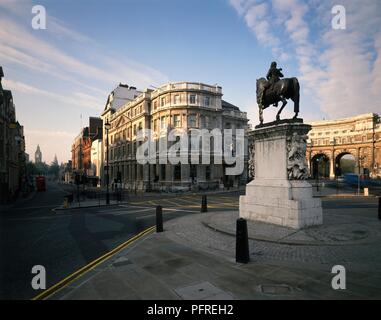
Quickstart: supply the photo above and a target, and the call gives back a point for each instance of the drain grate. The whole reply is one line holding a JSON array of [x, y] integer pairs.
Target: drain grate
[[203, 291], [275, 289]]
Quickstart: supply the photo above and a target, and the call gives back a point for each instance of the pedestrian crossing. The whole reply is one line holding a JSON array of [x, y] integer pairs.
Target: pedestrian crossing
[[192, 201]]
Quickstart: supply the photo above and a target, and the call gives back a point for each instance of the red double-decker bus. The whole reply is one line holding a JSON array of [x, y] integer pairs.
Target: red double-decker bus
[[40, 183]]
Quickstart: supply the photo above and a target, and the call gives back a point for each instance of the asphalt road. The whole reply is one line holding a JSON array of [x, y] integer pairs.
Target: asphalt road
[[31, 233]]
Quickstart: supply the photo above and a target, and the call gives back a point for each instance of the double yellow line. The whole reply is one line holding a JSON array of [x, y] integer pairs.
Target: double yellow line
[[79, 273]]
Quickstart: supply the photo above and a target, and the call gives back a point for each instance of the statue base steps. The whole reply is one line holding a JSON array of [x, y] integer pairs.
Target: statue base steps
[[285, 203]]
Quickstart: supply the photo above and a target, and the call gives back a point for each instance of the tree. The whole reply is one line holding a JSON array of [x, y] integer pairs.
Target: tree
[[54, 168]]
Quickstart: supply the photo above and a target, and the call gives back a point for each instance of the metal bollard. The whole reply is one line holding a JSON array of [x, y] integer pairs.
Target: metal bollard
[[242, 242], [159, 219], [379, 208], [204, 204]]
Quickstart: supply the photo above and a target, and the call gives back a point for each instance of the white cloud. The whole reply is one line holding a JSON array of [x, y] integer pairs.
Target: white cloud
[[87, 74], [76, 99], [340, 69], [20, 45]]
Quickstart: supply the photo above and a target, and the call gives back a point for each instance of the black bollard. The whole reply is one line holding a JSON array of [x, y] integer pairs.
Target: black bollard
[[379, 208], [242, 242], [204, 204], [159, 219]]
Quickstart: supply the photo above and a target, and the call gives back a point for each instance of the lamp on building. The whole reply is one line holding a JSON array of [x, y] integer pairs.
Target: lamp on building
[[107, 128]]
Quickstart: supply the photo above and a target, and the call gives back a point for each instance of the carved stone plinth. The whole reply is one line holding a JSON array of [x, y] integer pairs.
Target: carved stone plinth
[[279, 193]]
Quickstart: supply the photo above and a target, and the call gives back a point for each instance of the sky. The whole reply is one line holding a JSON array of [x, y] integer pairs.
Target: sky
[[63, 74]]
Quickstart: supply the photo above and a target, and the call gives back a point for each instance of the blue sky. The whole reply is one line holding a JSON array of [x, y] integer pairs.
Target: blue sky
[[90, 46]]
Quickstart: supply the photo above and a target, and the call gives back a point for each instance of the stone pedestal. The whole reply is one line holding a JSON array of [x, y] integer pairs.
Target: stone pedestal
[[279, 193]]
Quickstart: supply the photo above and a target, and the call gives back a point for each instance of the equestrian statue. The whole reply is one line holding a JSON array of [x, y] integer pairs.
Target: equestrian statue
[[274, 89]]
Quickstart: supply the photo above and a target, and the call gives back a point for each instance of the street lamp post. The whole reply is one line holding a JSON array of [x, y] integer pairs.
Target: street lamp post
[[107, 128], [317, 174], [361, 158]]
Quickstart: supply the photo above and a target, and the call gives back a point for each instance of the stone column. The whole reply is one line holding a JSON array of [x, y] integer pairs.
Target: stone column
[[185, 174], [146, 176], [279, 193], [201, 169], [357, 166], [169, 173], [133, 170], [332, 166]]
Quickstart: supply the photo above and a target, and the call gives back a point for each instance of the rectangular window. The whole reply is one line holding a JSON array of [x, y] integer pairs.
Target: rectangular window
[[193, 172], [177, 172], [207, 101], [176, 120], [192, 121], [134, 129], [162, 172], [162, 123], [163, 102], [176, 99], [207, 173], [192, 99], [155, 105]]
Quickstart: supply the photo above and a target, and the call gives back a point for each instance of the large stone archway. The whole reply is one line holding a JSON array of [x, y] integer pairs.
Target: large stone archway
[[339, 156], [359, 136], [320, 166]]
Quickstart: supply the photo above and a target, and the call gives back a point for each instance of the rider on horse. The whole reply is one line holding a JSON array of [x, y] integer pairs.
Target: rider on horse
[[273, 75]]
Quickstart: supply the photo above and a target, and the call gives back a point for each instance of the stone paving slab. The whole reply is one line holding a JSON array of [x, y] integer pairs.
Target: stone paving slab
[[336, 230], [190, 260], [207, 277]]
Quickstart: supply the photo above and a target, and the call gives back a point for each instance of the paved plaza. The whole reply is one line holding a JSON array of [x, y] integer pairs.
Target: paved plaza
[[195, 259]]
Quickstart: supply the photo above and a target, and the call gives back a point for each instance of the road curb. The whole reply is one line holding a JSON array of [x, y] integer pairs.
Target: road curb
[[79, 273], [86, 207]]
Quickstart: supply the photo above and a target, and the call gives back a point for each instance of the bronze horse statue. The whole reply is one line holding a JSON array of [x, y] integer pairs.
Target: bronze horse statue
[[287, 88]]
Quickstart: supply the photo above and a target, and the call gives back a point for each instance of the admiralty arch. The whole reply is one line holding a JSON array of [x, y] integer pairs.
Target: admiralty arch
[[330, 140]]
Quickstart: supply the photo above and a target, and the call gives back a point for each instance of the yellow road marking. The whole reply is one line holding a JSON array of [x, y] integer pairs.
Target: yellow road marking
[[79, 273]]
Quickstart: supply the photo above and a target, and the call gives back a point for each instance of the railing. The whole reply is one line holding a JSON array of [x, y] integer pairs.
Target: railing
[[186, 86], [236, 114]]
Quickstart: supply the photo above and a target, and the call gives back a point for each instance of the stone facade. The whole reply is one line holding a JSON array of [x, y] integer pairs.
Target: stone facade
[[12, 148], [359, 136], [81, 147], [96, 158], [182, 106]]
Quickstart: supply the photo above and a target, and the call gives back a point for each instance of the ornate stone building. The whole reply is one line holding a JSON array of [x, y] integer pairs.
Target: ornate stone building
[[81, 147], [359, 136], [183, 106], [12, 148]]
